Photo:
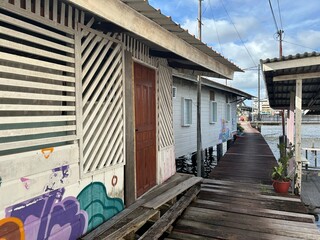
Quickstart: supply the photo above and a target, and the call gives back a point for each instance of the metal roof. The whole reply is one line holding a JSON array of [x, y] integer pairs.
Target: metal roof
[[280, 73], [215, 85], [143, 7]]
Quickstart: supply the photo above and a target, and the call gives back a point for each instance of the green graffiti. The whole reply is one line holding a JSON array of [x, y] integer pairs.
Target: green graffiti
[[98, 205]]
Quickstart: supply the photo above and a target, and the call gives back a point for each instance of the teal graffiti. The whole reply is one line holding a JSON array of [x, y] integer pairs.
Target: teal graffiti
[[99, 206]]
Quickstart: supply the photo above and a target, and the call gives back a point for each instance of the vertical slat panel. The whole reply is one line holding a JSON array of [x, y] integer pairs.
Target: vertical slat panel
[[63, 13], [37, 7], [46, 8], [28, 5], [69, 16], [55, 10]]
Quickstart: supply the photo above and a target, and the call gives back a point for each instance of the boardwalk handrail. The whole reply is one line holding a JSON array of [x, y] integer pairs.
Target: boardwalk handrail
[[315, 159]]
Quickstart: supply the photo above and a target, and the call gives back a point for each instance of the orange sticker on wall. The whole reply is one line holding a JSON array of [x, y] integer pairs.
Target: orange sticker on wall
[[47, 152], [11, 228]]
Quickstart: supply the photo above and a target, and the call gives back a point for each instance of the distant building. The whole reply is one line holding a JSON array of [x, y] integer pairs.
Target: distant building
[[218, 113]]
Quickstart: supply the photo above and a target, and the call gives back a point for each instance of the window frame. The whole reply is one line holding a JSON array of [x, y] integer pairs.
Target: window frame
[[228, 112], [183, 112], [213, 118]]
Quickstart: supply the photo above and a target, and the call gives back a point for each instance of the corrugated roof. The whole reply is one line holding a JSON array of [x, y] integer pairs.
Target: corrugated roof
[[144, 8], [293, 66], [212, 84]]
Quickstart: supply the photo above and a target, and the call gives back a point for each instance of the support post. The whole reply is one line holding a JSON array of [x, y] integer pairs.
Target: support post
[[219, 151], [259, 117], [199, 139], [199, 142], [298, 172], [290, 122]]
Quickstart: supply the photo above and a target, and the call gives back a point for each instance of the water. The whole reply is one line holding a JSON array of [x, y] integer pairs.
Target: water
[[310, 135]]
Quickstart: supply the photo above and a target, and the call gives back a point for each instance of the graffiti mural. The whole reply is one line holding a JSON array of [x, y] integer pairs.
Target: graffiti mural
[[98, 205], [224, 132], [49, 215], [11, 229], [57, 178]]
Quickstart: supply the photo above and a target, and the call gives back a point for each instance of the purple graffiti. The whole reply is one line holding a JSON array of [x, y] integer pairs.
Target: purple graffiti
[[50, 216], [57, 178]]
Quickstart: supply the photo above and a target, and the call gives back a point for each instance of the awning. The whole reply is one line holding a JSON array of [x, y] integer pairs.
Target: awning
[[280, 76], [164, 37], [215, 85]]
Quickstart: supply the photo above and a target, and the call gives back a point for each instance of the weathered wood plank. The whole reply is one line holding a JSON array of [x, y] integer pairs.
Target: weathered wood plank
[[36, 96], [31, 143], [130, 223], [36, 85], [33, 131], [36, 119], [36, 51], [37, 74], [208, 230], [41, 41], [187, 236], [221, 215], [158, 201], [171, 215], [255, 212]]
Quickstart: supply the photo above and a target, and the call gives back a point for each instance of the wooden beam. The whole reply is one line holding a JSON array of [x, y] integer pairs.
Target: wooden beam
[[290, 130], [292, 77], [130, 167], [298, 102], [161, 199], [295, 63], [171, 215], [148, 29]]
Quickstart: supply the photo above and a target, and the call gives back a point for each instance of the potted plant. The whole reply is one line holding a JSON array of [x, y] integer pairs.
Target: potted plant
[[280, 176]]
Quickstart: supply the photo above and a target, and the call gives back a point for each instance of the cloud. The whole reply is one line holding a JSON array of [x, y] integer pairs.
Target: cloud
[[254, 22]]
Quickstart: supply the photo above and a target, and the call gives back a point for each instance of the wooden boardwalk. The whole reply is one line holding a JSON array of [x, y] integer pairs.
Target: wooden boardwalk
[[238, 202]]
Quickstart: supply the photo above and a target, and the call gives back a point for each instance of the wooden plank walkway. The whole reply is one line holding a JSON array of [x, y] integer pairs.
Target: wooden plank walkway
[[235, 203]]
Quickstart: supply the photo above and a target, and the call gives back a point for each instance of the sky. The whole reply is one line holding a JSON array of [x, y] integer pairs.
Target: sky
[[244, 31]]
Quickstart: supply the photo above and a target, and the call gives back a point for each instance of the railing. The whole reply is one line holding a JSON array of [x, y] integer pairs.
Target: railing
[[311, 155]]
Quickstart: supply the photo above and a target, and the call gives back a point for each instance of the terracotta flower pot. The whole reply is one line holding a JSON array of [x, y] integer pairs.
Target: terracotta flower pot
[[280, 186]]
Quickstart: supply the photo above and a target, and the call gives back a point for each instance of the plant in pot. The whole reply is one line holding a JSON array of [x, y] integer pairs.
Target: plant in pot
[[280, 176]]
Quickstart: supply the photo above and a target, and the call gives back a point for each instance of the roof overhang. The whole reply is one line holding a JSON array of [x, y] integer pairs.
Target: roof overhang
[[164, 37], [214, 85], [280, 76]]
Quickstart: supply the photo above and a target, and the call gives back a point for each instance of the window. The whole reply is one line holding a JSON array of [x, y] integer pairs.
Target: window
[[186, 112], [212, 96], [213, 112], [228, 112], [174, 92]]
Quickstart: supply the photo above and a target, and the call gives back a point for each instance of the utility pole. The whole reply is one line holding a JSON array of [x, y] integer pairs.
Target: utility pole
[[280, 32], [199, 138], [259, 117]]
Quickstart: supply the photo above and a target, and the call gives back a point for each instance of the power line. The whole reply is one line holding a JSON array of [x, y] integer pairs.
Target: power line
[[274, 18], [299, 45], [215, 25], [280, 15], [238, 32]]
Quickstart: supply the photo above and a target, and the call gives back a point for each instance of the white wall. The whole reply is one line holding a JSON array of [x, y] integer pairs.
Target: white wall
[[186, 137]]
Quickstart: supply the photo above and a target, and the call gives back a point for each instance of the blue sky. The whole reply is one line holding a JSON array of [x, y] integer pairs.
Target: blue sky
[[254, 23]]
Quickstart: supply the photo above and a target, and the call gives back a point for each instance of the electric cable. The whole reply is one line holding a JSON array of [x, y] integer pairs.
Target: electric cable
[[238, 32]]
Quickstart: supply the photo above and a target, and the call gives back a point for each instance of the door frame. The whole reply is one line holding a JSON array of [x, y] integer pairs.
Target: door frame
[[130, 193]]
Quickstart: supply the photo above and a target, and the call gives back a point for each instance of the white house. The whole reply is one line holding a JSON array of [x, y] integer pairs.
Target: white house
[[86, 123], [218, 113]]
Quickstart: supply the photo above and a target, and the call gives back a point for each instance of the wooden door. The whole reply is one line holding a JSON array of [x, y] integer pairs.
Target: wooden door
[[145, 124]]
